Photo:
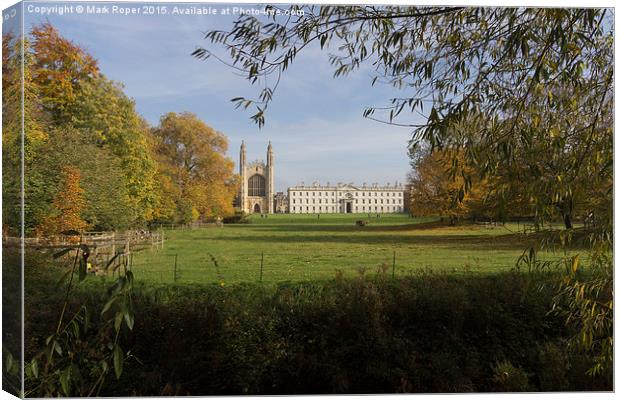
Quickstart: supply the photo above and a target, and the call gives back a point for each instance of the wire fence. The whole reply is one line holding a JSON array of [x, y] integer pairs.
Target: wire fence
[[262, 266]]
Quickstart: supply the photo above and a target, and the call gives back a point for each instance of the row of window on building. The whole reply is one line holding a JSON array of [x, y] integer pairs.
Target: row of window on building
[[332, 201], [363, 194], [334, 209]]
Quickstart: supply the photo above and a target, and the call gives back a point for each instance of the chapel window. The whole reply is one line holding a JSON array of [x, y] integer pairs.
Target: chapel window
[[256, 185]]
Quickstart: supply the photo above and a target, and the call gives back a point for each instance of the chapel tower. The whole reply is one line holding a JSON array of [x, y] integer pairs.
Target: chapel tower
[[270, 185], [243, 190], [256, 191]]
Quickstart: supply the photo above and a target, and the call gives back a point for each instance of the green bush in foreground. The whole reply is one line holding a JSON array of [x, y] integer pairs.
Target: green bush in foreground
[[371, 334]]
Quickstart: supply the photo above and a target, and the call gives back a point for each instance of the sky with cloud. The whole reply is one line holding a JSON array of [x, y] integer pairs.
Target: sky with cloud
[[315, 122]]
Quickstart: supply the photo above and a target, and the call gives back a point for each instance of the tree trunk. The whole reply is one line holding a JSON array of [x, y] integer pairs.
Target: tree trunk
[[568, 221]]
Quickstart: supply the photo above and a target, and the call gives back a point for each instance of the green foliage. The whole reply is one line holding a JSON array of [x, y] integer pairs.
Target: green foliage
[[11, 321], [108, 118], [554, 364], [368, 334], [15, 54], [84, 347], [239, 217], [585, 300], [108, 202], [510, 378]]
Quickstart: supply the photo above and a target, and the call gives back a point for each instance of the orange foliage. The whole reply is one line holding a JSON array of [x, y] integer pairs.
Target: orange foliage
[[67, 206]]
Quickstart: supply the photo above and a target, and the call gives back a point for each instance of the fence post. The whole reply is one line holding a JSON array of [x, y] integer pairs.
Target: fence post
[[394, 264], [262, 259], [113, 244], [175, 268]]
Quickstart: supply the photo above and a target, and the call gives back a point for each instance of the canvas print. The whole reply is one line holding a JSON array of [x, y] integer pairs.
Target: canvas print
[[209, 199]]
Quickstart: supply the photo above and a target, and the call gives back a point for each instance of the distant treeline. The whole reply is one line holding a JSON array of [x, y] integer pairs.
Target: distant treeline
[[91, 161]]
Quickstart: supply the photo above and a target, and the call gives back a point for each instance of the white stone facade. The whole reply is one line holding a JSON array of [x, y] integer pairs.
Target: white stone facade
[[346, 198]]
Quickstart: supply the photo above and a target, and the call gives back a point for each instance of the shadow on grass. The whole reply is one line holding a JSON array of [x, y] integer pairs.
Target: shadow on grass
[[351, 227], [469, 242], [432, 234]]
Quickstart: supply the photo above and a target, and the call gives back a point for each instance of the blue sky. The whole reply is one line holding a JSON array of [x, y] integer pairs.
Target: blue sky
[[315, 122]]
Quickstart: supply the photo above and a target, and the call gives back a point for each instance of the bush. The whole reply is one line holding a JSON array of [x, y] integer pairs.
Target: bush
[[554, 364], [510, 378], [427, 333], [238, 218]]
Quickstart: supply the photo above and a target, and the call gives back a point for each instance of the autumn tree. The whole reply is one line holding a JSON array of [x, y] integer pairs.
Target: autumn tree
[[436, 191], [68, 99], [199, 176], [61, 69], [533, 86], [67, 205], [539, 78], [78, 95], [108, 118], [109, 205], [11, 133]]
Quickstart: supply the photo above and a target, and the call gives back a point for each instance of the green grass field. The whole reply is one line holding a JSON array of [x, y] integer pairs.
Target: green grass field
[[304, 247]]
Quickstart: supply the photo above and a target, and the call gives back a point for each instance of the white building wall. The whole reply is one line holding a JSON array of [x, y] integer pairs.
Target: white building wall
[[345, 198]]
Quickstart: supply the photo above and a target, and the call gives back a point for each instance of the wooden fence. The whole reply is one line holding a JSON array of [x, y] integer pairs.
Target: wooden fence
[[103, 245]]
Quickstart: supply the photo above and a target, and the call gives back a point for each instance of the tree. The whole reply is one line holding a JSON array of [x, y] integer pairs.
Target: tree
[[436, 191], [533, 86], [108, 204], [16, 72], [77, 95], [525, 93], [199, 176], [61, 68], [108, 118], [72, 113], [68, 205]]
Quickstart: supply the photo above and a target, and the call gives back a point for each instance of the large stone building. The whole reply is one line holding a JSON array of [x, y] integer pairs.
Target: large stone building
[[256, 193], [346, 198]]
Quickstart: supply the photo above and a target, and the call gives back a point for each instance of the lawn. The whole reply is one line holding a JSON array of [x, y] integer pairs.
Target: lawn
[[307, 247]]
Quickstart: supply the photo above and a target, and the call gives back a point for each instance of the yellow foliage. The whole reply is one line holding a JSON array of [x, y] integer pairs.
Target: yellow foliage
[[438, 187], [194, 168]]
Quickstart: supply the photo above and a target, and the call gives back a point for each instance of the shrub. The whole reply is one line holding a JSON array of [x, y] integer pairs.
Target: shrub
[[238, 218], [510, 378], [370, 334]]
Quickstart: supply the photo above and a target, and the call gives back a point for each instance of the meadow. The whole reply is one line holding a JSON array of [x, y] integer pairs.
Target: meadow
[[459, 317], [310, 247]]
